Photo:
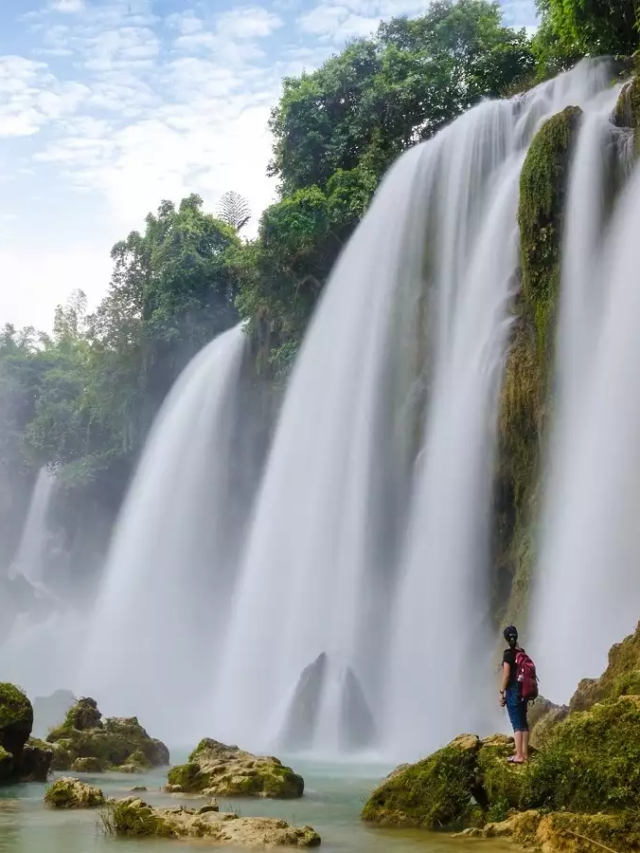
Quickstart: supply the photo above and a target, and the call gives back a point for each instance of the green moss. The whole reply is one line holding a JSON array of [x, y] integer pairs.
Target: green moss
[[591, 762], [620, 831], [114, 743], [543, 183], [15, 709], [89, 764], [627, 110], [621, 677], [503, 784], [67, 793], [188, 777], [134, 818], [434, 792]]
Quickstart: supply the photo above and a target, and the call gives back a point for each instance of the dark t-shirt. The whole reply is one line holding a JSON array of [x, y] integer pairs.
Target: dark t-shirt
[[509, 657]]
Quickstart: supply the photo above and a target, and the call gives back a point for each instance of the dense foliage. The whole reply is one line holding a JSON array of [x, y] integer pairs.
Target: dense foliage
[[81, 399]]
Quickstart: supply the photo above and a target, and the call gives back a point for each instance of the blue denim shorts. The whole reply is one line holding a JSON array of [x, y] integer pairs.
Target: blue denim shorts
[[517, 709]]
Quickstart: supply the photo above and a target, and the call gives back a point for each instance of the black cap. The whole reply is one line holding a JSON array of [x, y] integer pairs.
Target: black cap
[[510, 632]]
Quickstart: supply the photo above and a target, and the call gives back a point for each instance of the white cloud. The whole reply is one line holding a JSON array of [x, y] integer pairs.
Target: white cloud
[[341, 20], [67, 6]]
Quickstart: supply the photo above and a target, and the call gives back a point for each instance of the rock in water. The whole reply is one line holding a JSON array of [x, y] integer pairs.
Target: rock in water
[[135, 818], [16, 722], [357, 730], [302, 718], [69, 793], [50, 711], [36, 761], [218, 770], [356, 723], [86, 743]]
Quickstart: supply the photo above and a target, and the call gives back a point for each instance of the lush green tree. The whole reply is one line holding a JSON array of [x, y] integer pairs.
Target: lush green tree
[[591, 27], [381, 95]]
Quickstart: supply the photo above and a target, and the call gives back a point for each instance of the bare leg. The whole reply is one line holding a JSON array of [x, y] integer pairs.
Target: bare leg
[[525, 745], [518, 739]]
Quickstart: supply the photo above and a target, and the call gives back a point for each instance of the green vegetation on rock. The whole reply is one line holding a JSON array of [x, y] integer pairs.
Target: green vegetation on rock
[[85, 742], [134, 818], [227, 771], [433, 793], [69, 793], [621, 677], [16, 722]]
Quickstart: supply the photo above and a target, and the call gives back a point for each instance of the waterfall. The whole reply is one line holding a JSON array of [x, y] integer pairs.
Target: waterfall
[[325, 570], [30, 559], [587, 594], [169, 572]]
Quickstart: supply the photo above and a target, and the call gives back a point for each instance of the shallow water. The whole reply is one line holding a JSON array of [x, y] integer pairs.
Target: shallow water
[[332, 802]]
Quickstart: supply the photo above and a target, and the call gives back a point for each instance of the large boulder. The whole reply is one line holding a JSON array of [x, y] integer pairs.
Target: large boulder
[[133, 817], [69, 793], [116, 743], [36, 761], [356, 725], [48, 711], [227, 771], [16, 722], [436, 792]]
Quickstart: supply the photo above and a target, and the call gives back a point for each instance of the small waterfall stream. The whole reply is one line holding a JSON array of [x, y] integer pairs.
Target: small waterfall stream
[[30, 559]]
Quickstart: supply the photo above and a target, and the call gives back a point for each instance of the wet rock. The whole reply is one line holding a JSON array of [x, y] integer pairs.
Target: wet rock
[[35, 765], [227, 771], [116, 743], [16, 722], [87, 765], [133, 817], [69, 793]]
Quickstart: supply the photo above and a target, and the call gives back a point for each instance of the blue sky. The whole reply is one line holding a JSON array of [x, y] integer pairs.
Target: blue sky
[[108, 106]]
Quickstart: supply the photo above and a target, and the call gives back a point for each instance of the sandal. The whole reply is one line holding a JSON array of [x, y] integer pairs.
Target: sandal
[[513, 760]]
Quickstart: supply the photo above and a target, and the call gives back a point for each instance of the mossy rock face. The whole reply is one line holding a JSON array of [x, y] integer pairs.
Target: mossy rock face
[[69, 793], [35, 765], [16, 722], [591, 762], [627, 110], [134, 818], [6, 765], [543, 184], [227, 771], [433, 793], [621, 677], [87, 765], [568, 832], [502, 785], [114, 743]]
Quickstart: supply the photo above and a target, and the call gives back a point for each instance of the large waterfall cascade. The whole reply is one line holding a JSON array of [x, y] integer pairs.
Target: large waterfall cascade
[[169, 573], [346, 604], [320, 573], [587, 591]]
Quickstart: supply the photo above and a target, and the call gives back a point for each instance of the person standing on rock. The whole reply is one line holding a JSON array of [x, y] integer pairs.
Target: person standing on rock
[[511, 696]]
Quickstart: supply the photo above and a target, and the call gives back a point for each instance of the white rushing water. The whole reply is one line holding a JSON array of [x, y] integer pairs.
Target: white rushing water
[[319, 573], [587, 594], [30, 559], [170, 568]]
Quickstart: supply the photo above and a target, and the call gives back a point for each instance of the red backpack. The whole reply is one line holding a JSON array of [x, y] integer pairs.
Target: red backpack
[[526, 676]]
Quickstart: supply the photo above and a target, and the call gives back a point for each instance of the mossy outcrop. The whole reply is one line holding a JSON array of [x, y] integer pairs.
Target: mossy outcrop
[[620, 678], [438, 791], [69, 793], [227, 771], [582, 783], [627, 110], [22, 758], [133, 817], [85, 742]]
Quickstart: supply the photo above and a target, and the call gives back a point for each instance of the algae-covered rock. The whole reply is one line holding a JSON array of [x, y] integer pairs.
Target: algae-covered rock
[[227, 771], [621, 677], [591, 762], [36, 761], [116, 743], [544, 716], [16, 722], [501, 785], [133, 817], [626, 113], [86, 765], [69, 793], [543, 185], [435, 792]]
